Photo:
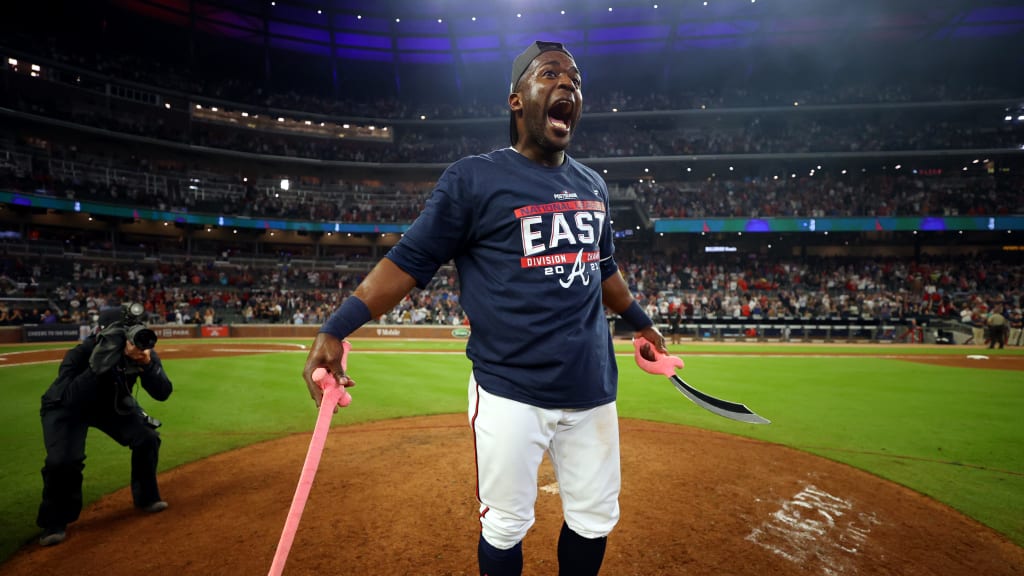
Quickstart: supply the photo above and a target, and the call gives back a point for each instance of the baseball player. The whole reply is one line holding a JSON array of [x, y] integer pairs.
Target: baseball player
[[528, 228]]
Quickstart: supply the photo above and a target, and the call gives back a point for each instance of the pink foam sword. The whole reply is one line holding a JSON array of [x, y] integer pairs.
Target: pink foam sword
[[665, 365], [334, 395]]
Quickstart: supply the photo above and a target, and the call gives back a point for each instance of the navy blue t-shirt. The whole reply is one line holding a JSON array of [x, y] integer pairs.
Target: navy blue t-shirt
[[531, 245]]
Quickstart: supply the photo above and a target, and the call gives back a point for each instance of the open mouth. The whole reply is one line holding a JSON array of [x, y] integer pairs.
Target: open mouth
[[560, 115]]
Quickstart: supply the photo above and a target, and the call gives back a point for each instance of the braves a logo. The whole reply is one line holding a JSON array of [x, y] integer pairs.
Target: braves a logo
[[578, 271]]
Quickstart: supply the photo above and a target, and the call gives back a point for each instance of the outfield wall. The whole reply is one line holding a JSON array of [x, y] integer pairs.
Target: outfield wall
[[72, 333], [711, 329]]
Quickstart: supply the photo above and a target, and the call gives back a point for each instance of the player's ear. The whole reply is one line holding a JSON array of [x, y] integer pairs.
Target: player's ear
[[515, 102]]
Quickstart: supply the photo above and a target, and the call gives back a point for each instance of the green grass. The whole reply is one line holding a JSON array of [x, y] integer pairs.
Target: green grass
[[951, 433]]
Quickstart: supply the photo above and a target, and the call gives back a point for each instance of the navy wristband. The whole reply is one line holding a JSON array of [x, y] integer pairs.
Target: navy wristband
[[352, 314], [636, 317]]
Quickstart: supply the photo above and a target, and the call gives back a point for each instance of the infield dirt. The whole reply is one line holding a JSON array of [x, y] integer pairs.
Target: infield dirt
[[397, 497]]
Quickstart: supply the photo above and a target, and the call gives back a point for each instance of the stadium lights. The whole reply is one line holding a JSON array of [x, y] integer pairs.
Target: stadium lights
[[167, 105]]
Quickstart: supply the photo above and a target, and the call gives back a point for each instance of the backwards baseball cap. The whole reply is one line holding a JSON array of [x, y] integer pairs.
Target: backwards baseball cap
[[519, 66]]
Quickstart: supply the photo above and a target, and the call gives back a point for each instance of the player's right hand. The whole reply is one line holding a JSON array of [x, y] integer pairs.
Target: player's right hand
[[327, 352]]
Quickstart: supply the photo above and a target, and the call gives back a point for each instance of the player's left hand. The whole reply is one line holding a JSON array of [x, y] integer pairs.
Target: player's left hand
[[654, 337]]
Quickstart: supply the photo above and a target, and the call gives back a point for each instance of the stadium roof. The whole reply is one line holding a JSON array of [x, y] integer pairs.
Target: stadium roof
[[467, 31]]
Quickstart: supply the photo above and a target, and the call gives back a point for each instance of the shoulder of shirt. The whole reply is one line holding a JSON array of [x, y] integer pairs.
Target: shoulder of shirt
[[596, 180], [500, 155], [468, 165]]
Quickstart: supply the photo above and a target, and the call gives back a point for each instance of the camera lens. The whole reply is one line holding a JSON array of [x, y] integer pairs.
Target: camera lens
[[143, 338]]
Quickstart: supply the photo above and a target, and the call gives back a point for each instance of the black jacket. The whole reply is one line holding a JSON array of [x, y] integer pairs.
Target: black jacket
[[78, 387]]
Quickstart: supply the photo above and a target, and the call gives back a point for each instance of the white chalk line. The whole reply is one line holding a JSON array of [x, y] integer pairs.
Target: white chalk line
[[550, 488], [816, 529]]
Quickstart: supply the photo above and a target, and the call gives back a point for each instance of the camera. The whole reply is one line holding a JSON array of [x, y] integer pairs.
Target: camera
[[132, 315], [111, 338]]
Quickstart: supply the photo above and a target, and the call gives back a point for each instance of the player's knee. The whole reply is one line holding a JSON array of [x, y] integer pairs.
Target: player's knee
[[506, 533], [593, 523]]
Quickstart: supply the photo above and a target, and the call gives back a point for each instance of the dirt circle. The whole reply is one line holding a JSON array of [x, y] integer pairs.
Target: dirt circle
[[397, 497]]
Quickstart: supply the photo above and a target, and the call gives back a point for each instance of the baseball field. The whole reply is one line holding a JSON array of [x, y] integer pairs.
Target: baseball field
[[880, 459]]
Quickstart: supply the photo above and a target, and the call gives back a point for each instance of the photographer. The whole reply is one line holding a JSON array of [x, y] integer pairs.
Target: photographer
[[94, 388]]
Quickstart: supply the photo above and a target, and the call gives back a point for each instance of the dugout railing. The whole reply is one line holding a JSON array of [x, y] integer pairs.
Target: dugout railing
[[797, 330]]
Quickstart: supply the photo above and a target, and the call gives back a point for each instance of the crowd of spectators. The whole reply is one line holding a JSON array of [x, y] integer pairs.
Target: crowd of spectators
[[204, 291], [896, 192], [883, 290], [835, 195]]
